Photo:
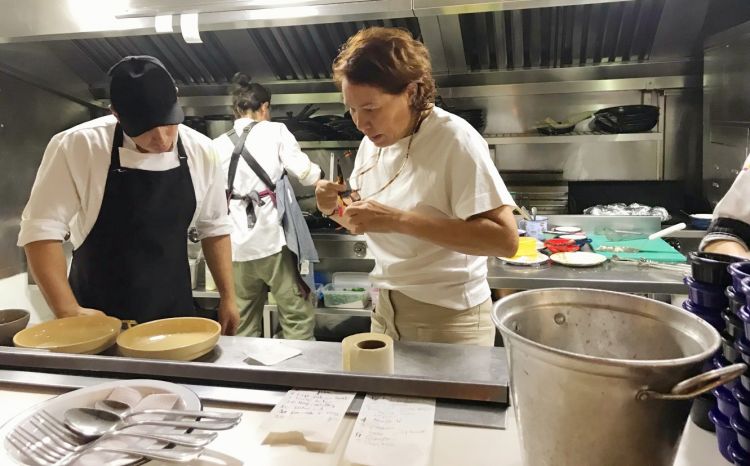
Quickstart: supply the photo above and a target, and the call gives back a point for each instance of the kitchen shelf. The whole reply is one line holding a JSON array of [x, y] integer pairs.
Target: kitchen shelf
[[517, 138], [575, 137]]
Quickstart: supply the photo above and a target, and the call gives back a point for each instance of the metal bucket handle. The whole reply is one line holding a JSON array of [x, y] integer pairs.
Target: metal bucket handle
[[694, 386]]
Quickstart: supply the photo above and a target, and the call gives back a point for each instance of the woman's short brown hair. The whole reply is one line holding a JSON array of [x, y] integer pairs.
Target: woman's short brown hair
[[387, 58]]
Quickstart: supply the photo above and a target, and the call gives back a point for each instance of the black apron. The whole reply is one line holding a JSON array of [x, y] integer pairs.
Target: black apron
[[133, 264]]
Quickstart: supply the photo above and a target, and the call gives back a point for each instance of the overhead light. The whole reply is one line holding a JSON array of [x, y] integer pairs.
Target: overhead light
[[189, 28], [163, 23]]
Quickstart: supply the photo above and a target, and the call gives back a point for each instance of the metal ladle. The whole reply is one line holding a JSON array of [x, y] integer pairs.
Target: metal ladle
[[92, 422], [125, 411]]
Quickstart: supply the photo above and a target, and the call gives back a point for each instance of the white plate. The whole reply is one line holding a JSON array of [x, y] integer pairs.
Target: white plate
[[567, 230], [86, 397], [525, 260], [574, 237], [578, 259], [702, 216]]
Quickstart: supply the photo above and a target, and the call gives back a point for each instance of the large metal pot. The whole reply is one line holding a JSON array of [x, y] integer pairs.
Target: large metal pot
[[601, 378]]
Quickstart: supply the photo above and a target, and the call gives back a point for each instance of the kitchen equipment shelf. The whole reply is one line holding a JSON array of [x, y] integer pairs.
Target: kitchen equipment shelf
[[517, 138], [574, 137]]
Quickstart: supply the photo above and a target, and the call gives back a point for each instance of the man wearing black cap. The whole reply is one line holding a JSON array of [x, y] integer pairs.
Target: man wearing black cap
[[126, 188]]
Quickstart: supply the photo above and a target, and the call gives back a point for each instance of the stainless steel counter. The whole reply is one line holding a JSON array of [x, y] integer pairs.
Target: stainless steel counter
[[608, 276]]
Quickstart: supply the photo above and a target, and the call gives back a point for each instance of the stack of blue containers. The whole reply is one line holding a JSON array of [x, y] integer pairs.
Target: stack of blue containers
[[713, 296], [738, 294]]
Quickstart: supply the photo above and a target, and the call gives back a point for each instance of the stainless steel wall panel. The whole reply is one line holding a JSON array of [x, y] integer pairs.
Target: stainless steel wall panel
[[29, 117]]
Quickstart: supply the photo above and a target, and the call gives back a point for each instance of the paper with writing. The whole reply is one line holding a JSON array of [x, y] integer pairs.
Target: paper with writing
[[392, 430], [314, 415]]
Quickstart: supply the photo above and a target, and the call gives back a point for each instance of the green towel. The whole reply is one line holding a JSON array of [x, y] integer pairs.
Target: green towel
[[651, 249]]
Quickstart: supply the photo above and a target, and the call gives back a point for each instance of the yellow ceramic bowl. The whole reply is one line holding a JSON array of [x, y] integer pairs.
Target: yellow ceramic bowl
[[79, 335], [178, 338]]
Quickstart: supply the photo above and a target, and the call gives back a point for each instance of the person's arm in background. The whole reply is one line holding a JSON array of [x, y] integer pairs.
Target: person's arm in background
[[296, 162], [729, 232], [218, 253], [45, 225], [214, 227]]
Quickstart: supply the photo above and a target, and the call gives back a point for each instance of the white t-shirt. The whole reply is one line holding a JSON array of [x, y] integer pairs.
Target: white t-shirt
[[449, 174], [275, 149], [69, 186]]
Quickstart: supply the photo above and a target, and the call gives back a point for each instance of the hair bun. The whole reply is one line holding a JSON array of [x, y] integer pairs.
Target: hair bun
[[241, 79]]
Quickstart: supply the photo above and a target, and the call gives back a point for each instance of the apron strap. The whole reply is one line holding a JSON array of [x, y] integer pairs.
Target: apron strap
[[114, 163]]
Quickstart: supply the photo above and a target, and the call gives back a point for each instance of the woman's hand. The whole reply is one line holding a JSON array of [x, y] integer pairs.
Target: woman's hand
[[327, 195], [373, 217]]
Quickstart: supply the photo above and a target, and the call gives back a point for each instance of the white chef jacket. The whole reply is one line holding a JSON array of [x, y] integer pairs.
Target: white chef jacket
[[275, 149], [69, 186], [449, 174]]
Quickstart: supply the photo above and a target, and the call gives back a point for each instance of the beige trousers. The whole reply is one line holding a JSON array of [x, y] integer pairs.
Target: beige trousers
[[404, 318]]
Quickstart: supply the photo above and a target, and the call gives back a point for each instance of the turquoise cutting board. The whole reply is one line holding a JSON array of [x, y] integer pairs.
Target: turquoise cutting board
[[651, 249]]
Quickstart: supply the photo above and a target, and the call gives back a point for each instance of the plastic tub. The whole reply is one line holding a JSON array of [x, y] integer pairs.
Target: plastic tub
[[742, 430], [712, 317], [706, 295], [725, 401], [742, 396], [739, 456], [738, 271], [712, 268], [349, 290]]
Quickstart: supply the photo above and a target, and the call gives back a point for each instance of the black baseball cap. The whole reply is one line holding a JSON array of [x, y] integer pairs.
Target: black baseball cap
[[143, 94]]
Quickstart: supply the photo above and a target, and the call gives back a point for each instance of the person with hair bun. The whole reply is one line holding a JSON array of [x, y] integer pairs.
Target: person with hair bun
[[424, 192], [271, 244]]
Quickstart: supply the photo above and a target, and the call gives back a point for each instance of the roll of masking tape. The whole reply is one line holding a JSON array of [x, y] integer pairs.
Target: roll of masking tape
[[370, 353]]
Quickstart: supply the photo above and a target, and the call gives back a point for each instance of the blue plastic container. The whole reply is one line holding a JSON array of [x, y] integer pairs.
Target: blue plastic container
[[738, 271], [739, 456], [726, 403], [705, 295], [725, 434], [712, 317]]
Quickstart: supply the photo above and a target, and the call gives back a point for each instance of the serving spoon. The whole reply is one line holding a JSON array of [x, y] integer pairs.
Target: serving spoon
[[125, 411], [93, 422]]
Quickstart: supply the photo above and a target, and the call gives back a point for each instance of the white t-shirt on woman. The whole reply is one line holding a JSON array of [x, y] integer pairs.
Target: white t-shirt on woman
[[449, 174]]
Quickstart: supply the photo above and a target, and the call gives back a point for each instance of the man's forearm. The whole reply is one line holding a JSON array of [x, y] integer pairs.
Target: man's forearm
[[218, 253], [732, 248], [50, 271]]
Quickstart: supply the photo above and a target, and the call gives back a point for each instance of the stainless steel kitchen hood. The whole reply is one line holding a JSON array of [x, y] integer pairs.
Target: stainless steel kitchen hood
[[449, 7]]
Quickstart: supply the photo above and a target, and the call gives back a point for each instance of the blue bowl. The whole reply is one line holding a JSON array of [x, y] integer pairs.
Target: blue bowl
[[742, 429], [725, 434]]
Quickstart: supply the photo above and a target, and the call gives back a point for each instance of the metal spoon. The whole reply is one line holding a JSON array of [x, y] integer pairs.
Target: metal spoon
[[125, 411], [92, 422]]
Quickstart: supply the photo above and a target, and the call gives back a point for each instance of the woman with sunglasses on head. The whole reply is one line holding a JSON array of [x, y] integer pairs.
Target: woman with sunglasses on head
[[424, 192]]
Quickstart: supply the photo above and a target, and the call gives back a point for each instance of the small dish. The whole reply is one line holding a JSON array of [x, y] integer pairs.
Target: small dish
[[526, 260], [578, 259], [567, 230], [12, 321]]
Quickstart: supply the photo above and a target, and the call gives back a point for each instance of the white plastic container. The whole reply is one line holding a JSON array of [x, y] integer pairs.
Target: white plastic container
[[193, 273], [210, 283], [340, 293]]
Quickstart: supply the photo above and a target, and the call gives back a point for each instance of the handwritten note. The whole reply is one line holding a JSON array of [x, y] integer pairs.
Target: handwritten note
[[310, 417], [392, 430]]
